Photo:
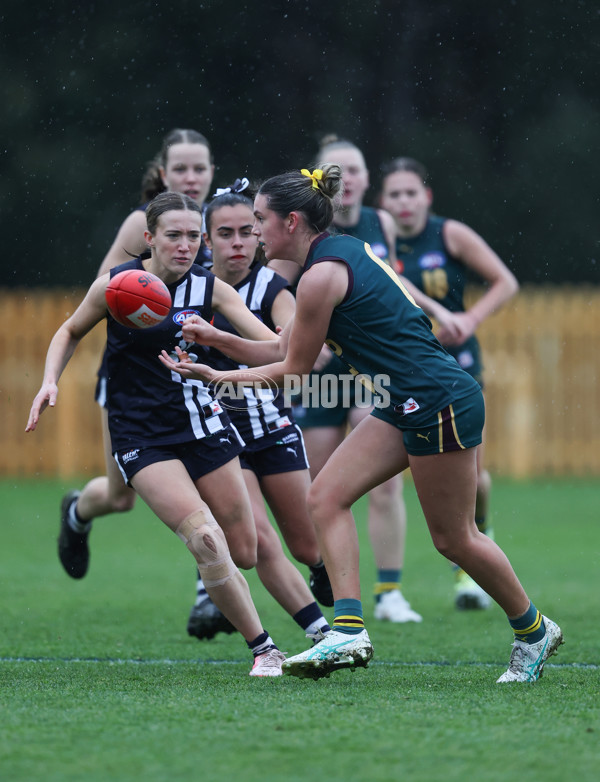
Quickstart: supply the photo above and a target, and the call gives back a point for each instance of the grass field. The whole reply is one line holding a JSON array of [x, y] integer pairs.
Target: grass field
[[99, 681]]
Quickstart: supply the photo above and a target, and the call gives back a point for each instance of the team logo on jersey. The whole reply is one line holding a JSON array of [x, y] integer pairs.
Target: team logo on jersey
[[380, 250], [465, 359], [280, 423], [408, 407], [432, 261], [182, 315]]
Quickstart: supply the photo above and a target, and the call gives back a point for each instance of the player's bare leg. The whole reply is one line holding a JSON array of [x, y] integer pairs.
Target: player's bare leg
[[279, 576], [286, 495], [446, 485], [169, 492], [367, 456]]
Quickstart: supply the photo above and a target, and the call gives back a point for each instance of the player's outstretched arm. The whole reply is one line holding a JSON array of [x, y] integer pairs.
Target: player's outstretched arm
[[91, 310], [257, 343], [320, 290], [60, 351]]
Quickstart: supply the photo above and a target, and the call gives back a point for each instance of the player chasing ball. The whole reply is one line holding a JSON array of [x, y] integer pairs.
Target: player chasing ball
[[172, 441], [185, 166]]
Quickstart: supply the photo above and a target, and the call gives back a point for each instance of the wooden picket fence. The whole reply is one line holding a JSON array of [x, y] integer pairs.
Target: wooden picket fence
[[542, 364]]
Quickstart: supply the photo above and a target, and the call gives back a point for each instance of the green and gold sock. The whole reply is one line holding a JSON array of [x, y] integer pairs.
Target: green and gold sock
[[348, 616], [387, 581], [529, 627]]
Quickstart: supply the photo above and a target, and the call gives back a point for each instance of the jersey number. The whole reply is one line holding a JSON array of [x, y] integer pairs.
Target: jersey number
[[435, 283]]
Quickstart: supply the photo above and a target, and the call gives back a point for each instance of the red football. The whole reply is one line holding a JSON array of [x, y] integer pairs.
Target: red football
[[138, 299]]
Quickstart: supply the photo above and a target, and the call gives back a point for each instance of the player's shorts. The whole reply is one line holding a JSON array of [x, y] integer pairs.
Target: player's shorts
[[199, 457], [468, 356], [276, 452], [456, 427]]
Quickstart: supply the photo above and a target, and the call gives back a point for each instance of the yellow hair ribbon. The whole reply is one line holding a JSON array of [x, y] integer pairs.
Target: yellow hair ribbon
[[315, 176]]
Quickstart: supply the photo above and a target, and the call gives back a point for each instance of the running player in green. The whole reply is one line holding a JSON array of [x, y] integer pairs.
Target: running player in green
[[429, 418]]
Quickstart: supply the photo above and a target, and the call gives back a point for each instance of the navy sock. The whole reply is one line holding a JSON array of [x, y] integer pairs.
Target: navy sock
[[77, 524], [261, 644], [309, 616], [484, 526]]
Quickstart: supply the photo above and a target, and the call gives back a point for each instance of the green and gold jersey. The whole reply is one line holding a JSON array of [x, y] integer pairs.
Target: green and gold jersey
[[379, 330]]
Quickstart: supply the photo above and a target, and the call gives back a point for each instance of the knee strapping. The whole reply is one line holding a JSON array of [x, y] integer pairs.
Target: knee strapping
[[205, 539]]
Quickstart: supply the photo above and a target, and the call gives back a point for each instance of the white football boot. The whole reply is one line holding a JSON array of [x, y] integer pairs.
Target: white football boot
[[336, 650], [527, 660], [268, 664], [394, 607]]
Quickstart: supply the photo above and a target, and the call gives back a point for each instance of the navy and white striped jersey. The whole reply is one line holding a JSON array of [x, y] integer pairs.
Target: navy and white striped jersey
[[147, 403], [255, 412], [203, 258]]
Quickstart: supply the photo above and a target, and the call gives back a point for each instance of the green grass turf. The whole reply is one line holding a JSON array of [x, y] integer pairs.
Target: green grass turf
[[99, 681]]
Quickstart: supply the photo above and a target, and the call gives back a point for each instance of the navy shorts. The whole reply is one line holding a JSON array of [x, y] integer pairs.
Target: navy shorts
[[280, 451], [199, 457], [456, 427]]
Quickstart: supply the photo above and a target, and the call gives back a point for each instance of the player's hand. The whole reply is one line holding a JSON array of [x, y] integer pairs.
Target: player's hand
[[197, 330], [187, 368], [457, 330], [46, 397]]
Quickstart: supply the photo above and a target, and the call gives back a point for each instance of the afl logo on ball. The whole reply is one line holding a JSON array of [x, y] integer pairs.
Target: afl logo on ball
[[182, 315]]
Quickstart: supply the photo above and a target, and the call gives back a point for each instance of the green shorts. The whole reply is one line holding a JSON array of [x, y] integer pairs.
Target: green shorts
[[456, 427]]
